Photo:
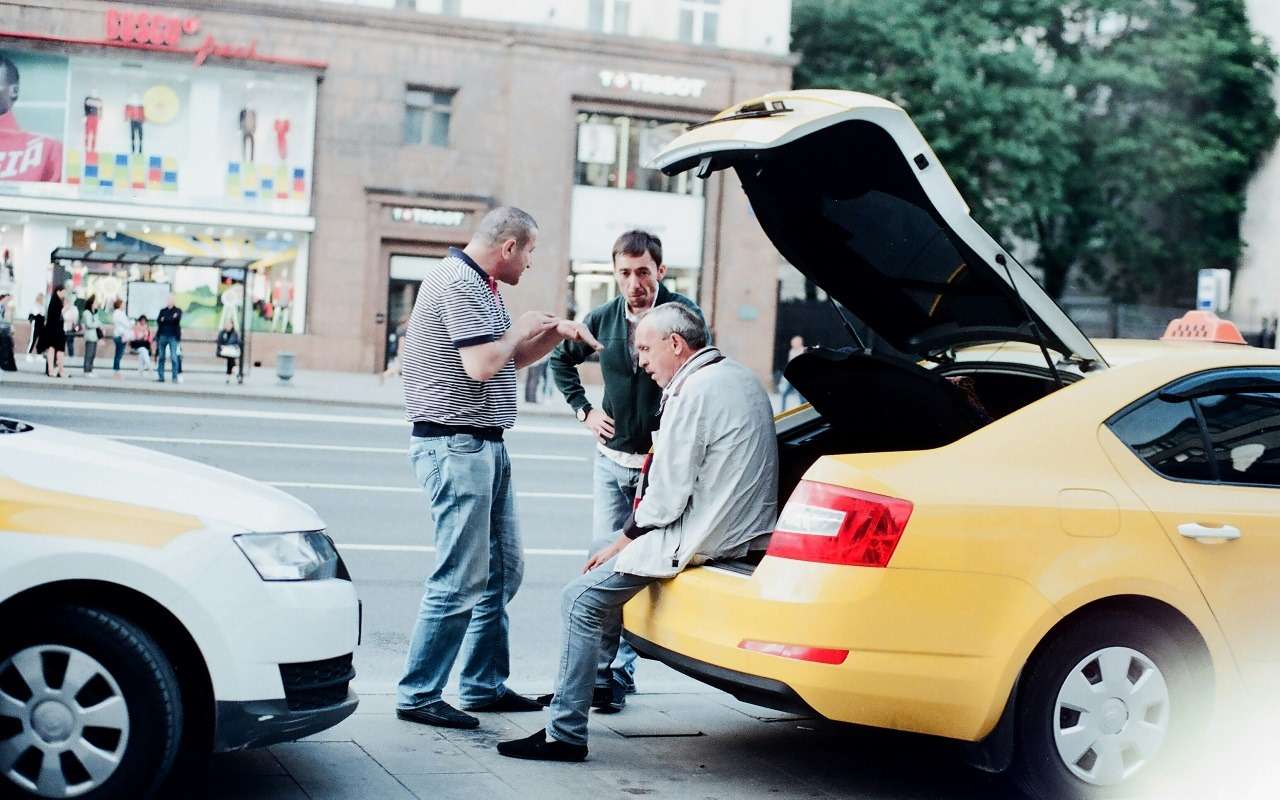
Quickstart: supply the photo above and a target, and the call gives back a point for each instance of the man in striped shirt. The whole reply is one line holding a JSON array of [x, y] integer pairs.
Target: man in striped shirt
[[459, 359]]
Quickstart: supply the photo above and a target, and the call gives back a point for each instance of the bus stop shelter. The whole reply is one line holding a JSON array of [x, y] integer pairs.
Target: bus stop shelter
[[109, 261]]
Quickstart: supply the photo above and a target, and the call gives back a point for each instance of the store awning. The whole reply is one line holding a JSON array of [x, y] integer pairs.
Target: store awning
[[127, 257]]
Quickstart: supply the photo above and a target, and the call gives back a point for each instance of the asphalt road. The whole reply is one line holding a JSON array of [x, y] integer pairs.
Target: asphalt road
[[351, 466]]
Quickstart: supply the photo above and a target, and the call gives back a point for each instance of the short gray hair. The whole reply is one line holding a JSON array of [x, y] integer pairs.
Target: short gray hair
[[681, 320], [503, 223]]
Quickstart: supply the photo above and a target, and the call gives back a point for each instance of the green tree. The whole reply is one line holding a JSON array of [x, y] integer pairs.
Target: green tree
[[1116, 136]]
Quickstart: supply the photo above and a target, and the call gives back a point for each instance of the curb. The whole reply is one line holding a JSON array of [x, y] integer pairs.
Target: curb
[[82, 384]]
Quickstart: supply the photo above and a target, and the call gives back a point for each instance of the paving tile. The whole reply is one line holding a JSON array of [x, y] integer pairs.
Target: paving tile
[[460, 787], [246, 762], [338, 770], [640, 718], [252, 787]]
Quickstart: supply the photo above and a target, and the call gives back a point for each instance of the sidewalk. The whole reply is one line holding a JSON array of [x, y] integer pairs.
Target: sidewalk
[[703, 745], [261, 383]]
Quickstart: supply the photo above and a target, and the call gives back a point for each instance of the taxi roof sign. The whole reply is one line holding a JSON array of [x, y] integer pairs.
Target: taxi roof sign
[[1202, 326]]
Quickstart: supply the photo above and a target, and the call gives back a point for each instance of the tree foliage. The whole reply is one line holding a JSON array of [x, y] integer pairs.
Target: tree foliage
[[1114, 136]]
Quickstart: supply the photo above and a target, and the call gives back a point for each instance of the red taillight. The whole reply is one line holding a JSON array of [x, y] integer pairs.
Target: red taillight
[[835, 525], [820, 655]]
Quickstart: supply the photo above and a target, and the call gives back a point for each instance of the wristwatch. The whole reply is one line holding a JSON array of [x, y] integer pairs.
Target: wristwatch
[[582, 413]]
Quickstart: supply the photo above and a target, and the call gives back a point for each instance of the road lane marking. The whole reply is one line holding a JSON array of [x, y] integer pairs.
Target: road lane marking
[[421, 548], [284, 416], [360, 487], [340, 448]]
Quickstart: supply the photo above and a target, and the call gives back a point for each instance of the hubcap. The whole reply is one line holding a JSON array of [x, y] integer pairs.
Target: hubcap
[[64, 723], [1112, 716]]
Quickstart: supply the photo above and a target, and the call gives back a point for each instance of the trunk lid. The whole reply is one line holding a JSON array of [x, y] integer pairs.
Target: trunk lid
[[851, 194]]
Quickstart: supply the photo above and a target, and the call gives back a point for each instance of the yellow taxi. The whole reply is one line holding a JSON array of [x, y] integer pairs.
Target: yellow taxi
[[995, 530]]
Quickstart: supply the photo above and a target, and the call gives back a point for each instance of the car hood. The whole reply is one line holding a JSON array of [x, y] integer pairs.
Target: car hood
[[91, 466], [851, 194]]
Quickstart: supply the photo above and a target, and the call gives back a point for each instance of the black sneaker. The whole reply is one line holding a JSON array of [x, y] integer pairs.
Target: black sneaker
[[509, 702], [440, 714], [604, 699], [539, 748]]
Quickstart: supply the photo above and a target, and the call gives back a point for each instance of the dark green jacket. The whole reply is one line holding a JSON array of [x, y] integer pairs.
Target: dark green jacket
[[630, 395]]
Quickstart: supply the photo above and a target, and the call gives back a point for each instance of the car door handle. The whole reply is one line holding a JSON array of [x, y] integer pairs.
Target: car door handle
[[1202, 533]]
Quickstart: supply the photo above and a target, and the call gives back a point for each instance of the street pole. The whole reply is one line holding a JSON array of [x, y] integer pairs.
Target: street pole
[[244, 322]]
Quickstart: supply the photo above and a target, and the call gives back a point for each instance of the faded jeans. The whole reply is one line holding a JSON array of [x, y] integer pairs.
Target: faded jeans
[[591, 619], [615, 493], [479, 565], [170, 344]]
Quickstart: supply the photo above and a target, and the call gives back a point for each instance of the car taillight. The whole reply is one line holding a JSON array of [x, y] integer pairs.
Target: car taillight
[[835, 525]]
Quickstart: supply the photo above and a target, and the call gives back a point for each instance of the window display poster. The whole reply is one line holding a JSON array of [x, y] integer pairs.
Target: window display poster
[[33, 90], [598, 143]]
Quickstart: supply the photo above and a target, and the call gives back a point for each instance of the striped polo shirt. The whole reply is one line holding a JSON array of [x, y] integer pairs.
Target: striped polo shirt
[[458, 306]]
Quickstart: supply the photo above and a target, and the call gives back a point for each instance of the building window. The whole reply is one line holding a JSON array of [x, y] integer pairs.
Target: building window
[[609, 16], [700, 21], [615, 151], [451, 8], [427, 113]]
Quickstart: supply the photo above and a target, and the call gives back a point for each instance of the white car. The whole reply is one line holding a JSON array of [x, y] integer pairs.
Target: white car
[[151, 606]]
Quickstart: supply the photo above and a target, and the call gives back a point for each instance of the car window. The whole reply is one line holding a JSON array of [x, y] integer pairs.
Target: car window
[[1167, 435], [1244, 429]]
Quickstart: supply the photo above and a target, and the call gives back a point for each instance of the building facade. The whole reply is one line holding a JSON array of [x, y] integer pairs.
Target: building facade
[[343, 146]]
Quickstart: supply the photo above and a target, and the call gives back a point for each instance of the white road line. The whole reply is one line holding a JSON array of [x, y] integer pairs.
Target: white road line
[[340, 448], [283, 416], [357, 487], [419, 548]]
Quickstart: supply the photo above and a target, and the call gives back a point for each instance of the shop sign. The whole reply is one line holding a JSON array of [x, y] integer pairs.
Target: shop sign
[[145, 29], [428, 216], [649, 83]]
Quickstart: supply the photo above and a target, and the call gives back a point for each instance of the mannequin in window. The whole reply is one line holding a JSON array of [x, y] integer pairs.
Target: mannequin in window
[[248, 126], [282, 133], [92, 114], [135, 114]]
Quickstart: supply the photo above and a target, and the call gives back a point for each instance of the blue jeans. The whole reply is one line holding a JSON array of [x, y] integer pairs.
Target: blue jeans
[[171, 344], [479, 565], [119, 354], [591, 615], [615, 493]]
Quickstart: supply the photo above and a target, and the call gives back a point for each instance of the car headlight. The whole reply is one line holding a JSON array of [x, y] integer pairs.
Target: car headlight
[[308, 556]]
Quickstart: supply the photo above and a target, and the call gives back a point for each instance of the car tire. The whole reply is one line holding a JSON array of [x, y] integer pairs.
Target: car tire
[[110, 720], [1106, 706]]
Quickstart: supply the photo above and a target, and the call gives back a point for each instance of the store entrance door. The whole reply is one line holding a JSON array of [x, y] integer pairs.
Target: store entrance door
[[406, 273]]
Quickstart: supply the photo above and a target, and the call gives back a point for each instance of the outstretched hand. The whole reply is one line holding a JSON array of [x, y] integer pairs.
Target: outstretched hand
[[604, 555], [577, 332]]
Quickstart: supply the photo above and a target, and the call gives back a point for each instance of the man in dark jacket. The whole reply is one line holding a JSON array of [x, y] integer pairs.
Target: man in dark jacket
[[624, 426], [169, 337]]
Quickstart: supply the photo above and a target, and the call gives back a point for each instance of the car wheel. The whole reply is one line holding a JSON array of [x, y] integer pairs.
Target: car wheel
[[1104, 702], [89, 707]]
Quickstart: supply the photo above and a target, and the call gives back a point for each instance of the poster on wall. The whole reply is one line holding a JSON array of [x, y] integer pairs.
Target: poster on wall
[[33, 97]]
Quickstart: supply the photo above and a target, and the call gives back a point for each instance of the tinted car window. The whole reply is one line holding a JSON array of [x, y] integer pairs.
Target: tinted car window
[[1244, 429], [1168, 437]]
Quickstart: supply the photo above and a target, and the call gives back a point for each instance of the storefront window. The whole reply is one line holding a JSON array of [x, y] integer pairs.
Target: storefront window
[[592, 284], [615, 151], [208, 295]]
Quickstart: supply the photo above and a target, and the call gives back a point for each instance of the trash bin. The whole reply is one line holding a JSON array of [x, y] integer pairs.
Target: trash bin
[[284, 366]]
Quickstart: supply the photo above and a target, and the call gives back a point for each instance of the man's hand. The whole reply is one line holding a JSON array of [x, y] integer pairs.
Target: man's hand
[[606, 554], [535, 323], [577, 332], [600, 423]]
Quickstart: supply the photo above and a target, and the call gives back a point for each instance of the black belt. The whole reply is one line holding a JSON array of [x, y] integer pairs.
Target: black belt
[[425, 429]]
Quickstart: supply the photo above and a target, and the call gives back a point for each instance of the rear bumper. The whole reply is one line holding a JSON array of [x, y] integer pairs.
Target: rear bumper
[[752, 689], [258, 723], [930, 652]]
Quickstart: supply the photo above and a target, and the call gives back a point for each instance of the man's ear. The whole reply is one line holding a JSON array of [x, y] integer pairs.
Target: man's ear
[[662, 271]]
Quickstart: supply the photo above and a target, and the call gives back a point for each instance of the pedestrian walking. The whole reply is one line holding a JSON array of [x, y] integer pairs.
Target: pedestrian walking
[[121, 328], [140, 342], [169, 340], [36, 318], [7, 364], [628, 416], [229, 346], [711, 493], [53, 335], [784, 386], [89, 323], [458, 361]]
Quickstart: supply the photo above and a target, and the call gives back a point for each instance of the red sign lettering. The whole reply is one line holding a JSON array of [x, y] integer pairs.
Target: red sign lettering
[[156, 30], [212, 47]]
